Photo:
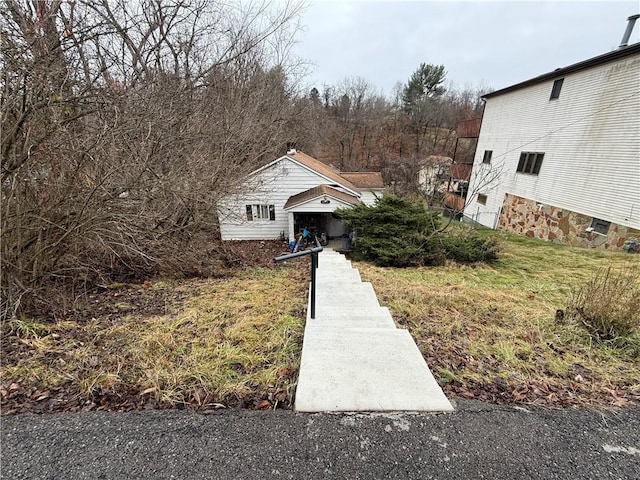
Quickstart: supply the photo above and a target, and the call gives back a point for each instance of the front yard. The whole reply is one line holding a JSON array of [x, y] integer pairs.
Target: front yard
[[211, 343], [490, 331], [487, 331]]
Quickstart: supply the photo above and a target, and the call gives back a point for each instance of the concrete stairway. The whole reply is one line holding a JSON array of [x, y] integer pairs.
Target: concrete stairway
[[353, 357]]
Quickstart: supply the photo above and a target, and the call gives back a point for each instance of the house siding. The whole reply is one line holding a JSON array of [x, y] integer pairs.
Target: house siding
[[272, 186], [590, 136], [370, 196]]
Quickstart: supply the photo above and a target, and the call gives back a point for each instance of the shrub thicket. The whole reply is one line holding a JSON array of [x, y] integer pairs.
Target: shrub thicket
[[465, 247], [608, 305], [399, 232]]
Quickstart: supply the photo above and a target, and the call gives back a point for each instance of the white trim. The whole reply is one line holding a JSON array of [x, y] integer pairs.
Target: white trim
[[342, 202]]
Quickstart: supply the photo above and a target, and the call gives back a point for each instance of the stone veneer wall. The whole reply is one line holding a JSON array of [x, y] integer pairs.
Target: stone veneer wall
[[523, 217]]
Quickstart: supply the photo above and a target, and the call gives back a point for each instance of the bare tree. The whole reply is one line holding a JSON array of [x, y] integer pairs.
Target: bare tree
[[122, 125]]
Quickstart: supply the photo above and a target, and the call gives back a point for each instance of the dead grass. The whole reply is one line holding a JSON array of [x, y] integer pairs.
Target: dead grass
[[487, 332], [234, 341], [491, 332]]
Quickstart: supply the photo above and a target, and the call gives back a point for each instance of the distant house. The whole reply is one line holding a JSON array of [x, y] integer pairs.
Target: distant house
[[558, 156], [292, 192], [433, 174]]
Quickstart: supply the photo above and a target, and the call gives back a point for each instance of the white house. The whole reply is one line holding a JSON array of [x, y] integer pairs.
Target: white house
[[433, 174], [558, 156], [293, 192]]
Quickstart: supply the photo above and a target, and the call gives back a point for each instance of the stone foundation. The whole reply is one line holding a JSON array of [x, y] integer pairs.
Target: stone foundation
[[524, 217]]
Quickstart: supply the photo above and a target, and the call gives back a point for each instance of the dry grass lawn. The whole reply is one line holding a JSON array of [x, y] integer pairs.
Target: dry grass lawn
[[487, 332], [490, 331], [234, 341]]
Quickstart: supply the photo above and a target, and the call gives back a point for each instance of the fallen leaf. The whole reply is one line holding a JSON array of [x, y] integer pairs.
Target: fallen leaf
[[42, 396]]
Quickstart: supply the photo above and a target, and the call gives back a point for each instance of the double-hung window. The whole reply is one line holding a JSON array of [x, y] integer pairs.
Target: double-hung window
[[260, 212], [530, 162]]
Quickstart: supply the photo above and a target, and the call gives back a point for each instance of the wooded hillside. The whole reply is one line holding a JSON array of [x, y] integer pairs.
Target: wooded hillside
[[123, 123]]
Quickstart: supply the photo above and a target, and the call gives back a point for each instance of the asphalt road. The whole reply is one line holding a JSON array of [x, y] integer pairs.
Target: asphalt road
[[478, 441]]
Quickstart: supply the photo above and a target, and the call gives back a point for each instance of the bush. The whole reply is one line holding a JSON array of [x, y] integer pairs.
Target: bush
[[391, 233], [465, 247], [608, 305], [398, 232]]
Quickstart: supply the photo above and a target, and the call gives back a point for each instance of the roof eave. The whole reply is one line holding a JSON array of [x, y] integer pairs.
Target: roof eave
[[559, 72]]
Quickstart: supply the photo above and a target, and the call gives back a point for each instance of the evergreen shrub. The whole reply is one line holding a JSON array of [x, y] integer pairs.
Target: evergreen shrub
[[398, 232]]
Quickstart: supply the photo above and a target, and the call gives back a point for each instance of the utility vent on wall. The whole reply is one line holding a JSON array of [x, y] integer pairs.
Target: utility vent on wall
[[631, 21]]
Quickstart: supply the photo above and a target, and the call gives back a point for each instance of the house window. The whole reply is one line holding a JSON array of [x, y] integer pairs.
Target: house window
[[530, 162], [599, 226], [482, 199], [487, 156], [260, 212], [555, 91]]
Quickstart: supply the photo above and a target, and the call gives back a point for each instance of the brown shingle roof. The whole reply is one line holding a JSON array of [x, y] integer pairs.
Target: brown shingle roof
[[322, 169], [317, 192], [364, 179]]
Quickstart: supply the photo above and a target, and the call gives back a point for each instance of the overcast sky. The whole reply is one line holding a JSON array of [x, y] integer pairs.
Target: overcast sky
[[494, 44]]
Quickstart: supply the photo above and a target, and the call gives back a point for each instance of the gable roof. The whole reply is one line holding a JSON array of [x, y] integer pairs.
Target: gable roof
[[322, 169], [319, 191], [576, 67], [364, 179]]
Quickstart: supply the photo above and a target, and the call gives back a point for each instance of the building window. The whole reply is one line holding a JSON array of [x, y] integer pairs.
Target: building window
[[260, 212], [599, 226], [487, 156], [555, 91], [530, 162], [482, 199]]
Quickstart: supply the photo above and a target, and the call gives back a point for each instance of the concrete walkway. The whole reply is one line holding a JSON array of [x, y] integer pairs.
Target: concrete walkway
[[354, 358]]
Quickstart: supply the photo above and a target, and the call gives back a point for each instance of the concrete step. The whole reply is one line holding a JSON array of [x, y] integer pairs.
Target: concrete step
[[353, 356], [351, 322], [330, 263], [343, 285], [358, 369], [357, 294], [341, 317], [328, 312], [337, 274]]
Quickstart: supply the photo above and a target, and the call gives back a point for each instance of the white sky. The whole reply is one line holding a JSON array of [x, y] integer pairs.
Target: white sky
[[494, 44]]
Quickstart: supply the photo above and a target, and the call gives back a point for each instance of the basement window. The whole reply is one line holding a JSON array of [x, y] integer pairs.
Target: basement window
[[555, 91], [530, 162], [260, 212], [482, 199], [487, 156], [599, 226]]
